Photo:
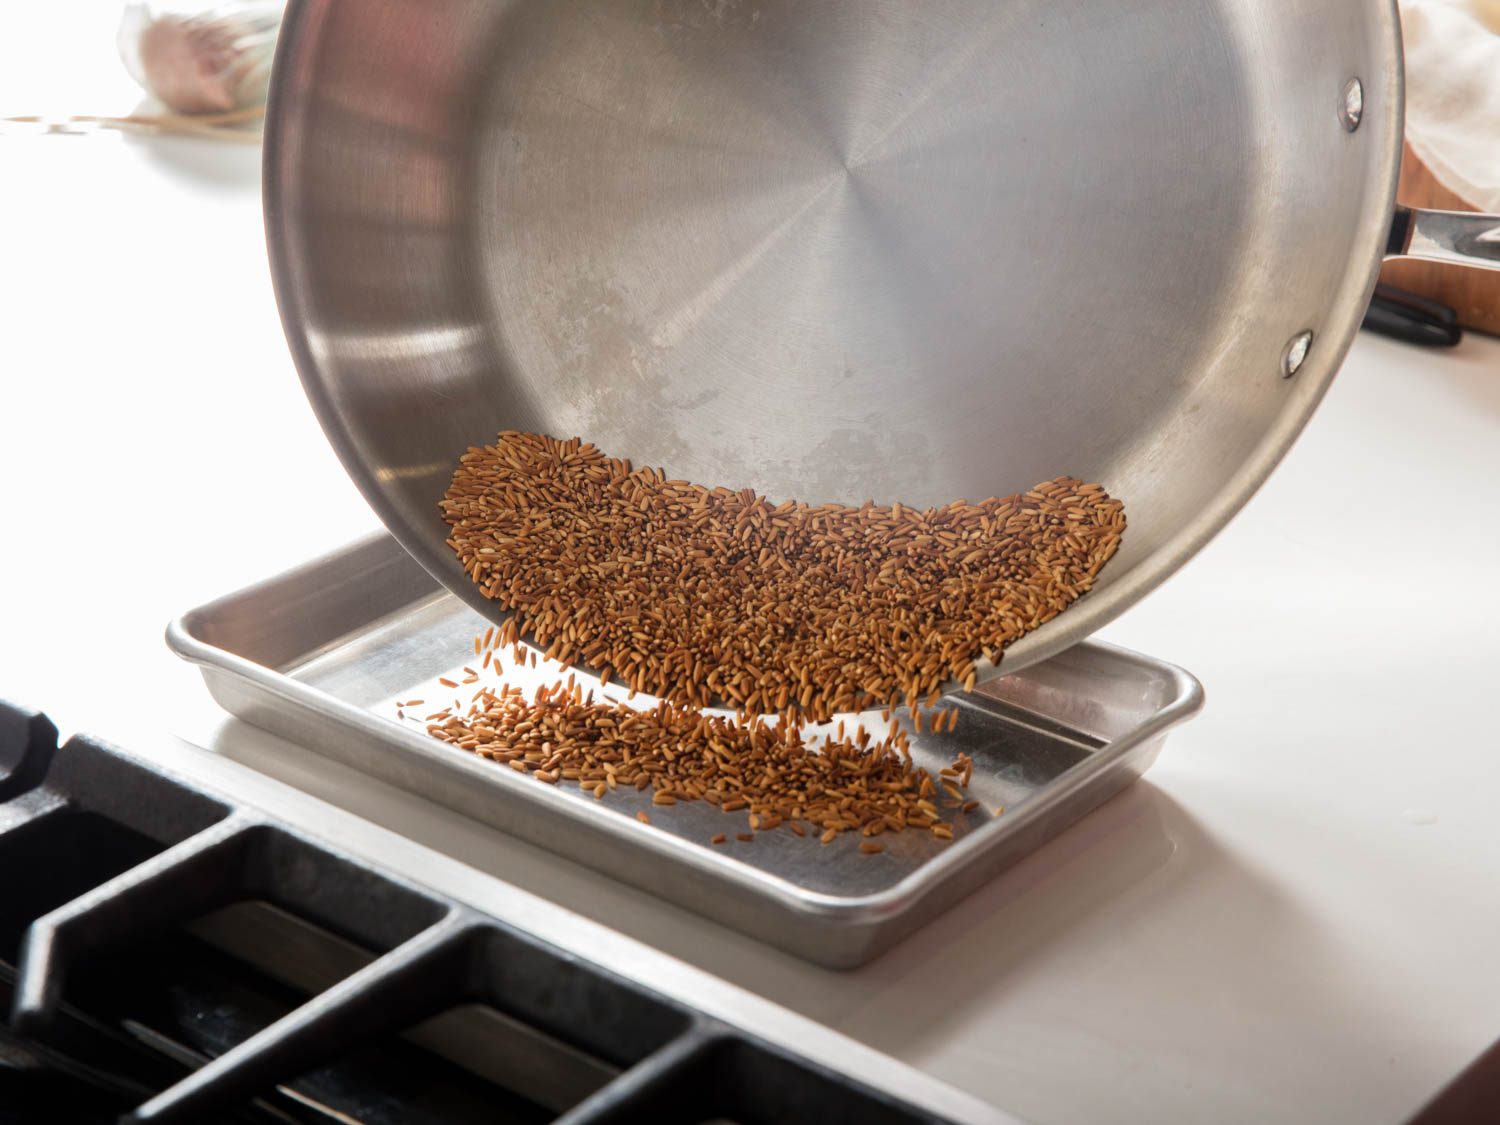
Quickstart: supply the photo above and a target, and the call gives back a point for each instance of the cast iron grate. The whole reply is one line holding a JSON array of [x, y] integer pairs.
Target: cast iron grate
[[109, 863]]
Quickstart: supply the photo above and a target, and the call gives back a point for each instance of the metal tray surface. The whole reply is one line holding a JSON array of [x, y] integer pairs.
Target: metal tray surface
[[321, 654]]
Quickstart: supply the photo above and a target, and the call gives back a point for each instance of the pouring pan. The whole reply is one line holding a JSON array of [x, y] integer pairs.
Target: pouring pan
[[840, 251]]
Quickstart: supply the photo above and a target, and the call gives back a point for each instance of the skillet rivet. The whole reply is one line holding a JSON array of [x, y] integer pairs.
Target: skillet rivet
[[1353, 108], [1296, 353]]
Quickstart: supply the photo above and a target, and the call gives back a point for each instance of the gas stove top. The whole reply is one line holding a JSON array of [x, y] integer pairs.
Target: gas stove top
[[171, 953]]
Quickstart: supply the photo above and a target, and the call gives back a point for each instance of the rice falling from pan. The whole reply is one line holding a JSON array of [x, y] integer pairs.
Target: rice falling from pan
[[700, 595]]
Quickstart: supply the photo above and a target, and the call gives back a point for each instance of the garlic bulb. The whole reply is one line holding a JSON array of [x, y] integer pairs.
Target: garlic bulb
[[214, 61]]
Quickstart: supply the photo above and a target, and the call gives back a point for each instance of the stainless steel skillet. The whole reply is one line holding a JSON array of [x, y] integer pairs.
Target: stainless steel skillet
[[839, 250]]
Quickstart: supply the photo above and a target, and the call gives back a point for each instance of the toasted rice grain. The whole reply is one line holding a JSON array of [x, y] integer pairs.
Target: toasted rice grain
[[698, 594]]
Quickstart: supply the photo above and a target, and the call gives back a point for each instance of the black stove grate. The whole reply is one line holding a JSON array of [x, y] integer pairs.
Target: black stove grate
[[124, 886]]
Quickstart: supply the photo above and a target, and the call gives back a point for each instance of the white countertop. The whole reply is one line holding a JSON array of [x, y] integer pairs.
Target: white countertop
[[1293, 918]]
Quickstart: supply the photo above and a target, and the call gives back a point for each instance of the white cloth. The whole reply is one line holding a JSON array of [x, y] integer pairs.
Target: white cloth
[[1453, 94]]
